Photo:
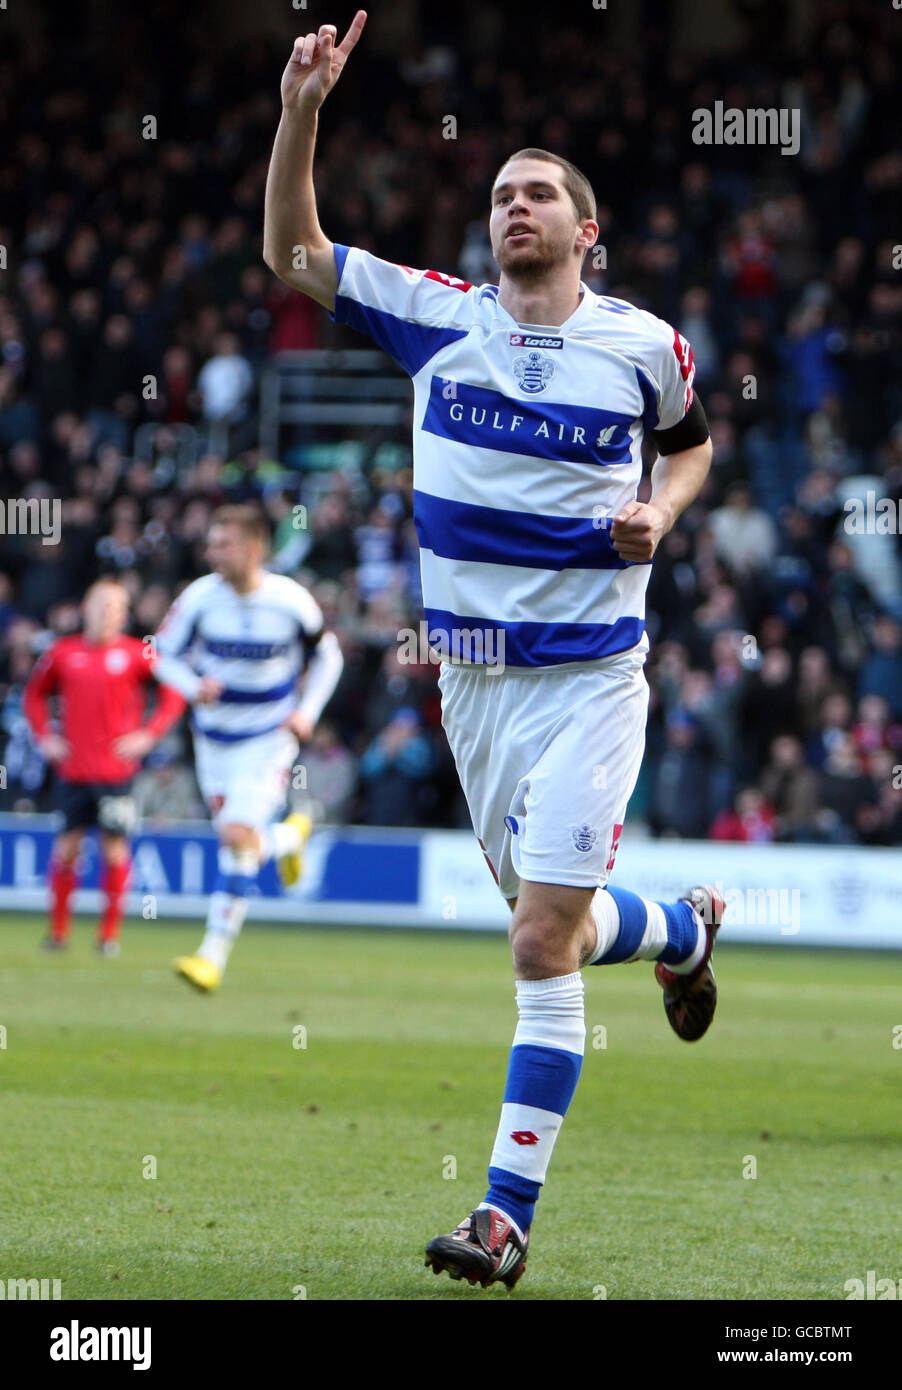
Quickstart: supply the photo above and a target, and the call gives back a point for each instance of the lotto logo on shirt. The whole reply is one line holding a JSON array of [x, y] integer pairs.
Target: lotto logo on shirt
[[533, 340]]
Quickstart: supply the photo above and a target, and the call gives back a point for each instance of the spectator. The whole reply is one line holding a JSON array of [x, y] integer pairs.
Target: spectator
[[393, 770], [330, 777], [680, 802], [844, 789], [814, 682], [881, 673], [751, 819], [165, 790], [225, 382], [768, 706], [833, 729], [745, 537], [791, 787]]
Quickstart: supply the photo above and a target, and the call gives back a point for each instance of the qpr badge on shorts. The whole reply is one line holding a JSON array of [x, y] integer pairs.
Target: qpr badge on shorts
[[533, 372], [583, 837]]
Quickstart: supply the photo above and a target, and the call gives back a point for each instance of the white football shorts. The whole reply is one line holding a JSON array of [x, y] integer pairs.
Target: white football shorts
[[548, 760], [245, 782]]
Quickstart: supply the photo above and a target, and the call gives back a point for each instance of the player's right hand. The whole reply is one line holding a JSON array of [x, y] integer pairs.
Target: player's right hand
[[300, 724], [54, 748], [134, 746], [208, 691], [315, 65]]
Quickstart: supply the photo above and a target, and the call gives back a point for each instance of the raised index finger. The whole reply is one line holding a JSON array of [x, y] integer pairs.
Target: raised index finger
[[353, 34]]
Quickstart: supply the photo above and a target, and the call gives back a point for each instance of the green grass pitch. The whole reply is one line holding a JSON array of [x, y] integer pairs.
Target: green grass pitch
[[321, 1171]]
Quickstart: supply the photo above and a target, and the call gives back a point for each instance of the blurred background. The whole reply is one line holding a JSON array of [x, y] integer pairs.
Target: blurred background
[[152, 367]]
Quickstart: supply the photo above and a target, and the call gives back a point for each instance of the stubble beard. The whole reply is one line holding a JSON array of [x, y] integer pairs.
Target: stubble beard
[[534, 268]]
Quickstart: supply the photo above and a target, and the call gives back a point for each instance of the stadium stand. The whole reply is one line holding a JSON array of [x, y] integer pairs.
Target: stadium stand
[[140, 332]]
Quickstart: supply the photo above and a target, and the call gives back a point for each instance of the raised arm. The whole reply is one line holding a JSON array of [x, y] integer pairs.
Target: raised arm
[[294, 245]]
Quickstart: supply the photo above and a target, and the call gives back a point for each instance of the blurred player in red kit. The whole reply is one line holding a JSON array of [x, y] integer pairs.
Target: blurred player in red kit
[[101, 679]]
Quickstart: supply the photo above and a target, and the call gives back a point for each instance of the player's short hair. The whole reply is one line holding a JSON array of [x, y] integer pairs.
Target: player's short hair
[[107, 581], [249, 519], [575, 182]]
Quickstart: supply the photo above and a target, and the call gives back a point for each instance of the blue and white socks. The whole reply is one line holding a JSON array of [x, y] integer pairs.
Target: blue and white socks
[[545, 1064], [549, 1043], [632, 928], [238, 871]]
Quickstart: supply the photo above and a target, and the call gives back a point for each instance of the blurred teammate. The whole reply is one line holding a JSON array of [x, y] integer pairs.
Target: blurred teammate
[[101, 680], [236, 643], [532, 399]]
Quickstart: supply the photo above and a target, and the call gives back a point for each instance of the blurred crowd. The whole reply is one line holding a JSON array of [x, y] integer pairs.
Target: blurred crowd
[[136, 312]]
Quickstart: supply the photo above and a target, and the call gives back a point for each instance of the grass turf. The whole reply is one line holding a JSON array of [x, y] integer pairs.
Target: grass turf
[[324, 1167]]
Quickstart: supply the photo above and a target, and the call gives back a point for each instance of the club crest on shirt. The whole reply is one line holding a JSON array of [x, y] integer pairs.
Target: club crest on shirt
[[583, 837], [533, 372], [116, 661]]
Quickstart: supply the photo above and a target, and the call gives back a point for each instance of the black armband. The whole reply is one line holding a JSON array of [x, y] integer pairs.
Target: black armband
[[692, 430]]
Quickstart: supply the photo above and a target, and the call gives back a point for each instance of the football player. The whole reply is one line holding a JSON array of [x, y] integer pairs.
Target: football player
[[532, 399]]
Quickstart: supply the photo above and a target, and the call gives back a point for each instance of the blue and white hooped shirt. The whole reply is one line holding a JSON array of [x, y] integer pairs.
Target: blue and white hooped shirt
[[527, 441], [256, 645]]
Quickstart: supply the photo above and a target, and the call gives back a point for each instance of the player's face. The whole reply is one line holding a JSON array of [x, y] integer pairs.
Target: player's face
[[529, 193], [105, 613], [231, 553]]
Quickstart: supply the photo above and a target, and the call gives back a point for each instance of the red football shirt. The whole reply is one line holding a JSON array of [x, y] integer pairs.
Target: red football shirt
[[103, 694]]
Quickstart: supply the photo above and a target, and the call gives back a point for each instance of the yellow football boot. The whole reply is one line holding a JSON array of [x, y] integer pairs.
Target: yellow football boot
[[291, 866], [201, 973]]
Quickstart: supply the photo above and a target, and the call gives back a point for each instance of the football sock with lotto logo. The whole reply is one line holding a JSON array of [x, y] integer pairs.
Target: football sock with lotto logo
[[113, 883], [238, 870], [545, 1064], [63, 881], [632, 928]]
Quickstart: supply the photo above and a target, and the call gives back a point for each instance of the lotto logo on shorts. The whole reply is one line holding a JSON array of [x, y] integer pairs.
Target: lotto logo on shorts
[[615, 845], [583, 837]]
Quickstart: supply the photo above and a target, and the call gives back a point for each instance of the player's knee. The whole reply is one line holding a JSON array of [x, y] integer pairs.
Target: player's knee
[[65, 851], [541, 944], [115, 849]]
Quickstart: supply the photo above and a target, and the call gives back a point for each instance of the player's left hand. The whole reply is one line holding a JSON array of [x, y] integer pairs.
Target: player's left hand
[[135, 745], [636, 530], [301, 725]]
